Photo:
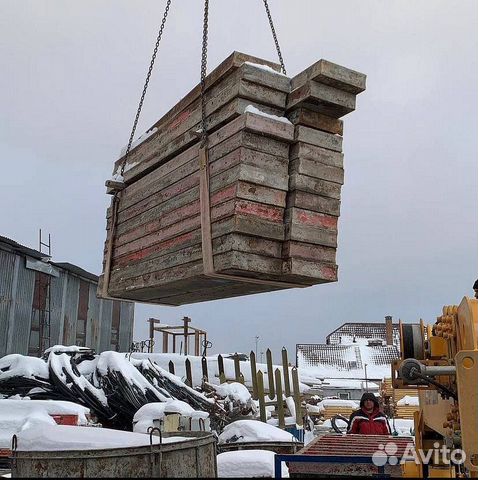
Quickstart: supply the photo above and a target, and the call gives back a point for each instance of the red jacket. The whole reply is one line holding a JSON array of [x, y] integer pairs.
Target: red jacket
[[364, 423]]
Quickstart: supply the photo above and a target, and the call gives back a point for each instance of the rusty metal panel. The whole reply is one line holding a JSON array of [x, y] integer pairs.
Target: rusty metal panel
[[19, 335], [7, 270], [81, 321], [93, 319], [71, 310], [56, 314], [126, 326], [105, 325]]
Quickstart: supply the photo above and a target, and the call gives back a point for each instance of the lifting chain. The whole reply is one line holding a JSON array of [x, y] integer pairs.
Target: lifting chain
[[203, 74], [146, 83], [271, 23]]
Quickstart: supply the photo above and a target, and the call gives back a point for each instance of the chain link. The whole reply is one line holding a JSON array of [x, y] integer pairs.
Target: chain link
[[148, 76], [203, 74], [271, 23]]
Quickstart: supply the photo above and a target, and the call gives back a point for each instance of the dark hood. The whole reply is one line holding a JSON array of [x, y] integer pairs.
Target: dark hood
[[368, 396]]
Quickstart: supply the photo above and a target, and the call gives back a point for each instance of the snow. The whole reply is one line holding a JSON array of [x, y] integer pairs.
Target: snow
[[328, 424], [63, 437], [163, 359], [252, 109], [408, 400], [234, 391], [139, 140], [403, 426], [25, 406], [336, 403], [289, 401], [247, 464], [117, 362], [12, 422], [253, 431], [145, 416], [18, 415], [61, 363], [20, 366], [158, 410], [64, 349], [347, 383], [265, 67]]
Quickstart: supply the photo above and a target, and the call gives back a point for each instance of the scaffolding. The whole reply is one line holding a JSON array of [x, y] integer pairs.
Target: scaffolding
[[41, 307], [171, 332]]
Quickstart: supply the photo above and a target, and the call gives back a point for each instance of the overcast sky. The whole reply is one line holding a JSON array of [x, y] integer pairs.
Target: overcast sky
[[70, 80]]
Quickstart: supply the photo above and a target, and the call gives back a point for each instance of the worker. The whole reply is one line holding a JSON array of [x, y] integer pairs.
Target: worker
[[475, 288], [369, 419]]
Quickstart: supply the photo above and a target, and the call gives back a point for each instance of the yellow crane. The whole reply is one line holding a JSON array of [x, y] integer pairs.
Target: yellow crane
[[441, 361]]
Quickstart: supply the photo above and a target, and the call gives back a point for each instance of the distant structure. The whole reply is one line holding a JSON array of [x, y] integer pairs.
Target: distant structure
[[387, 332], [354, 356], [43, 303]]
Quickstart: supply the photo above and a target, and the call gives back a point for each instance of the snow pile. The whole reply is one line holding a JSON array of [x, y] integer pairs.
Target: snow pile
[[349, 384], [15, 365], [408, 400], [25, 406], [12, 422], [234, 391], [333, 403], [265, 68], [252, 109], [253, 431], [61, 365], [145, 416], [327, 424], [65, 349], [117, 362], [61, 437], [404, 427], [247, 464]]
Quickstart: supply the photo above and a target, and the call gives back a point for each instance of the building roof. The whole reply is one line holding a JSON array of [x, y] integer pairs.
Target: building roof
[[354, 360], [362, 330], [12, 246], [15, 247], [76, 270]]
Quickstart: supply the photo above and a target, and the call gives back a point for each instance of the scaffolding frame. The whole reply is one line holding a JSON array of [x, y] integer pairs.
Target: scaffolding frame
[[170, 332]]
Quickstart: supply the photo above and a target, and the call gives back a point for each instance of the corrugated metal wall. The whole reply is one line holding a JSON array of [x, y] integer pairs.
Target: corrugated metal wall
[[17, 285]]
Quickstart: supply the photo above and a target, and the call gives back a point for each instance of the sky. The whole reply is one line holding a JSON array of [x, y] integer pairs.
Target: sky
[[71, 77]]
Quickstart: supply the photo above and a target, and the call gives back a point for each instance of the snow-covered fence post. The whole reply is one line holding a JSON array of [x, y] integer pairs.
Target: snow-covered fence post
[[295, 384], [205, 375], [237, 368], [270, 373], [189, 373], [280, 401], [171, 367], [261, 395], [220, 367], [252, 358], [285, 369]]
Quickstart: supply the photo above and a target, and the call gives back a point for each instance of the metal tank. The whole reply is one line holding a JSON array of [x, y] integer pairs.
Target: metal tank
[[194, 457]]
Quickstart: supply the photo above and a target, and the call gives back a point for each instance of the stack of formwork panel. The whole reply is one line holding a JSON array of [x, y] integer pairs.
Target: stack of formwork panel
[[319, 97], [157, 252]]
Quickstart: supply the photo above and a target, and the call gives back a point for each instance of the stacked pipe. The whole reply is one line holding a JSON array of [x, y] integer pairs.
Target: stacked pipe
[[273, 188]]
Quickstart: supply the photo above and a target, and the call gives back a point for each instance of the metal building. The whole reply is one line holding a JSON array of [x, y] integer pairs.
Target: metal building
[[43, 303]]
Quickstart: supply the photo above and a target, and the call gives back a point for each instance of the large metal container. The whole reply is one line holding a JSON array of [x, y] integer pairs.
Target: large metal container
[[194, 457]]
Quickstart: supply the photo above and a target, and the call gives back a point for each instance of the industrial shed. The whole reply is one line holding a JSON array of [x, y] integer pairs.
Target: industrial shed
[[43, 303]]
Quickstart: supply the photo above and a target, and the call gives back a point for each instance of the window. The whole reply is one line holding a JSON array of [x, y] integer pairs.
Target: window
[[344, 396]]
